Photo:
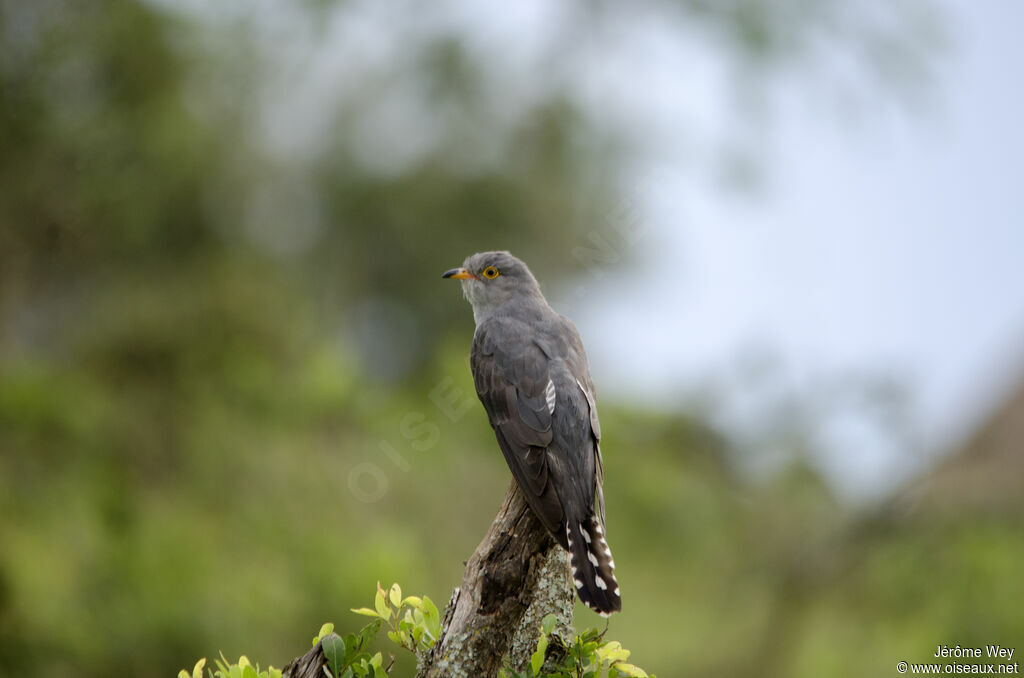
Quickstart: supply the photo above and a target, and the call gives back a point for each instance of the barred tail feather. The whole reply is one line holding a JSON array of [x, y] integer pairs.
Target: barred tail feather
[[593, 569]]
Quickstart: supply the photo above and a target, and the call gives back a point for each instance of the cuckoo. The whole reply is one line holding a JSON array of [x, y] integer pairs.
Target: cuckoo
[[531, 374]]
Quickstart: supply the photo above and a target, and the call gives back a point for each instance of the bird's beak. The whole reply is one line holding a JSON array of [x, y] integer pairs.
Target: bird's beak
[[458, 274]]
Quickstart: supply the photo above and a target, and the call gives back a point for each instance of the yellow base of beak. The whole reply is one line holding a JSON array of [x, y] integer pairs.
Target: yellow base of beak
[[458, 274]]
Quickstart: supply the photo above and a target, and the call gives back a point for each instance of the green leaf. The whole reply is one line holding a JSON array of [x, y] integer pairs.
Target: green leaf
[[324, 630], [433, 619], [183, 674], [365, 611], [630, 670], [368, 634], [381, 604], [249, 672], [334, 650], [537, 659], [612, 651], [396, 595], [414, 601], [549, 624]]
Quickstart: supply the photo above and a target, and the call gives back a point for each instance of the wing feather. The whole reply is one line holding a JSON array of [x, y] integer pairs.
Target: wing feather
[[511, 380]]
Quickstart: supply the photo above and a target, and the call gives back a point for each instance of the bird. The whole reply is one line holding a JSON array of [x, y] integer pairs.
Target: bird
[[531, 373]]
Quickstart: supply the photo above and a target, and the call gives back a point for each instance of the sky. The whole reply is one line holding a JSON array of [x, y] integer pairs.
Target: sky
[[892, 245]]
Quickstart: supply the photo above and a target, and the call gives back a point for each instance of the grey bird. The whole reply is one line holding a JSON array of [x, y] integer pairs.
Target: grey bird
[[531, 374]]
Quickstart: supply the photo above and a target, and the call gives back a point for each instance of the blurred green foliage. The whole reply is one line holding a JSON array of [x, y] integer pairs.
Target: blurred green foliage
[[200, 343]]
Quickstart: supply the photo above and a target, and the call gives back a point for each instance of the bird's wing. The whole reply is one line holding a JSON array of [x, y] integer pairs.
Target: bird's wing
[[581, 371], [595, 430], [513, 382]]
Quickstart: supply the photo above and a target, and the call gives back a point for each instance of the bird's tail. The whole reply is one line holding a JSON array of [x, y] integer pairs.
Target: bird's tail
[[593, 570]]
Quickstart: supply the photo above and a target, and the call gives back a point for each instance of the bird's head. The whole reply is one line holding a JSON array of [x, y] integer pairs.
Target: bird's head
[[492, 279]]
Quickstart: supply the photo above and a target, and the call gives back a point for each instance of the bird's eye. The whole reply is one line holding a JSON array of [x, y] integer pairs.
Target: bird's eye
[[490, 273]]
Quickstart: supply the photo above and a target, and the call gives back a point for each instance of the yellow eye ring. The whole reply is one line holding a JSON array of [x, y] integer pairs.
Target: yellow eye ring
[[491, 273]]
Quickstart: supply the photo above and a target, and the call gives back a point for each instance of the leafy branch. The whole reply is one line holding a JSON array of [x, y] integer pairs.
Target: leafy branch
[[414, 624], [586, 657]]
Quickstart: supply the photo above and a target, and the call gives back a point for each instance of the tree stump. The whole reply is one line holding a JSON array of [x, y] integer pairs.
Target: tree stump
[[516, 577], [309, 665]]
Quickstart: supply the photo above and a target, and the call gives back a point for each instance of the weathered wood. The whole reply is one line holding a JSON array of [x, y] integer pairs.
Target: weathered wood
[[309, 665], [516, 576]]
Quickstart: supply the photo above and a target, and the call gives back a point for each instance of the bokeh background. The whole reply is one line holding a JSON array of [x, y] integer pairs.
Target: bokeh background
[[234, 391]]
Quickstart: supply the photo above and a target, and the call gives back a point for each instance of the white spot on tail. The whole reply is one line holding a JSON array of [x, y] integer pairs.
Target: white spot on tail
[[598, 528], [592, 558], [611, 563], [549, 394], [600, 582], [586, 535], [616, 592], [579, 584]]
